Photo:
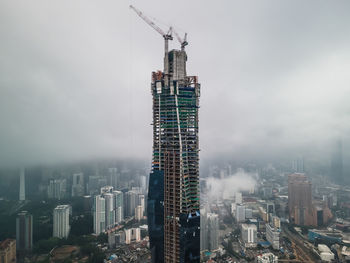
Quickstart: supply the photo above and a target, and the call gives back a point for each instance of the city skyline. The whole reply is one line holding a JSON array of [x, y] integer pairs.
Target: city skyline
[[113, 151]]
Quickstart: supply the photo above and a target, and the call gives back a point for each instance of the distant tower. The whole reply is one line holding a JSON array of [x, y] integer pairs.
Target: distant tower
[[337, 163], [298, 165], [24, 231], [300, 200], [78, 184], [22, 188]]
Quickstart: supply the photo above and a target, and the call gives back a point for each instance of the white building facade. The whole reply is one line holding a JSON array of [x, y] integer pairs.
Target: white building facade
[[61, 226]]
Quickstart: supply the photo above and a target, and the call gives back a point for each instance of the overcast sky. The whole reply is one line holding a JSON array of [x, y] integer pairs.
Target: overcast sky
[[75, 76]]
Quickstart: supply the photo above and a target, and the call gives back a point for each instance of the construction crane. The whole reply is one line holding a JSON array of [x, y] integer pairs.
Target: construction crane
[[183, 41], [167, 36]]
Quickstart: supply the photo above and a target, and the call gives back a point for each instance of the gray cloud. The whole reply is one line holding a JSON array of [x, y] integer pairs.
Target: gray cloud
[[74, 77]]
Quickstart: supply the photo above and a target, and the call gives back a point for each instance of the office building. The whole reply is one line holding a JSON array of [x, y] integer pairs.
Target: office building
[[8, 251], [249, 235], [24, 232], [61, 225]]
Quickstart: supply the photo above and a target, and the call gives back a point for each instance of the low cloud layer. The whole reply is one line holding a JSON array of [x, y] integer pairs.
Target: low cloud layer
[[219, 188], [75, 77]]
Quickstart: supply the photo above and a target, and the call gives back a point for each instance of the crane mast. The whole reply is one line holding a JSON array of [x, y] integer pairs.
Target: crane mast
[[167, 36], [183, 41]]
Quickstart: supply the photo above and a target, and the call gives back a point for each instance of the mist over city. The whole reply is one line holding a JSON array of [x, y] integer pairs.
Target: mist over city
[[154, 131]]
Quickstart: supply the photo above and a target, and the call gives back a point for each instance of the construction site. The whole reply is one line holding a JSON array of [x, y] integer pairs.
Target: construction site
[[173, 199]]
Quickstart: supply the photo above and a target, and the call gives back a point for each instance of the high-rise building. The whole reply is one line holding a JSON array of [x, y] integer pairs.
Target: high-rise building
[[298, 165], [118, 206], [240, 213], [138, 212], [204, 230], [22, 186], [110, 212], [131, 201], [8, 251], [141, 202], [61, 226], [301, 211], [57, 189], [113, 177], [176, 161], [99, 214], [24, 231], [143, 183], [213, 231], [78, 188], [249, 235]]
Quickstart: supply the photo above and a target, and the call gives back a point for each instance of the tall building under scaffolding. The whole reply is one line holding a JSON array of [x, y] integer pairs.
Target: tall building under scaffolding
[[173, 199], [173, 195]]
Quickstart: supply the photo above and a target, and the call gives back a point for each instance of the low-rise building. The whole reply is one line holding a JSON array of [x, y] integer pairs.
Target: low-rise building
[[8, 251], [249, 235], [267, 258], [273, 236], [132, 234]]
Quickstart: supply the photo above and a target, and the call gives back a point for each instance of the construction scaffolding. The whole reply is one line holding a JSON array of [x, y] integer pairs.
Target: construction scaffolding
[[173, 197], [176, 147]]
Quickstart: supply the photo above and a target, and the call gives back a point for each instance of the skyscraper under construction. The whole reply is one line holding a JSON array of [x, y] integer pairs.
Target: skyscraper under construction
[[173, 198], [173, 194]]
